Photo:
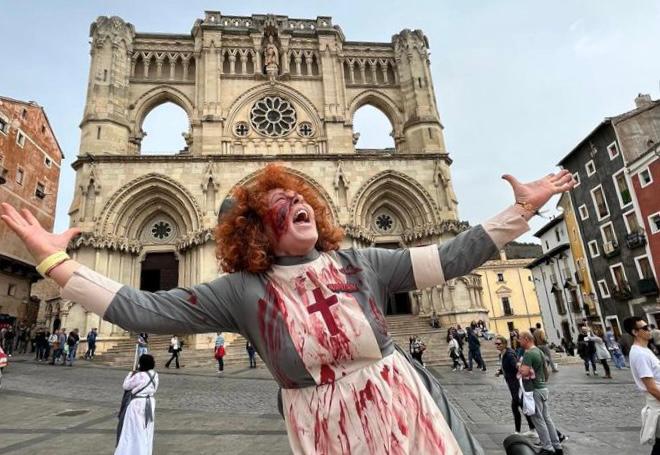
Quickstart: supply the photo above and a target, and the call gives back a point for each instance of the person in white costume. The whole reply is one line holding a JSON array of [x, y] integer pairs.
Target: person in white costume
[[136, 418]]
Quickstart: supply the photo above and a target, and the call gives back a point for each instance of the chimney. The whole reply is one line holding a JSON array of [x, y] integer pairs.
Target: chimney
[[643, 99]]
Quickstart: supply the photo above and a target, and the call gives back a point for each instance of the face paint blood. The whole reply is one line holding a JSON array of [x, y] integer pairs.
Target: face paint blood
[[277, 216]]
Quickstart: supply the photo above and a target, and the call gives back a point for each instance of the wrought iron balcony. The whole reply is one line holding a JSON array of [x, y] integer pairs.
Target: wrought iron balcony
[[622, 292], [635, 239], [611, 249], [647, 286]]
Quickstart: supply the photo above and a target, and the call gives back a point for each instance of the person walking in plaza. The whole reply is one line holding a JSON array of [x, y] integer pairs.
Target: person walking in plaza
[[220, 352], [568, 345], [252, 354], [22, 338], [587, 350], [542, 343], [9, 340], [602, 354], [474, 350], [91, 344], [615, 349], [452, 350], [509, 368], [142, 344], [645, 369], [135, 430], [417, 349], [72, 342], [174, 349], [533, 373], [40, 343], [459, 341], [54, 345], [314, 311]]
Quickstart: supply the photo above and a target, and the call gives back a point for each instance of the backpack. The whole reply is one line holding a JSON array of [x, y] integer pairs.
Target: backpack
[[219, 352]]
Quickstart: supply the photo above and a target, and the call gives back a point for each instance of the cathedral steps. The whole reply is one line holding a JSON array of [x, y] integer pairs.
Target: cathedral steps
[[401, 327]]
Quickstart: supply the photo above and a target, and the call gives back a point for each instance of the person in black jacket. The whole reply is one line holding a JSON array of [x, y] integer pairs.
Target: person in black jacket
[[509, 368], [587, 350], [474, 350]]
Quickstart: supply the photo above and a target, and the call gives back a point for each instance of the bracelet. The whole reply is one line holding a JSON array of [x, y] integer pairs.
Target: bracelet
[[527, 207], [51, 262]]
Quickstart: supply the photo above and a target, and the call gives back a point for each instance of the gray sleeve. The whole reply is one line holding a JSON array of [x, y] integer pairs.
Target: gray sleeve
[[392, 267], [403, 270], [202, 308], [465, 252], [207, 307]]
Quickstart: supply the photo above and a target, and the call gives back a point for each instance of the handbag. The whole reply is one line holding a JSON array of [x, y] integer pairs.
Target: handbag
[[527, 399]]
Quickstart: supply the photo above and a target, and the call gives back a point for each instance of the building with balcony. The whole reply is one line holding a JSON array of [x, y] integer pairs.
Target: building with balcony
[[30, 159], [559, 284], [607, 214]]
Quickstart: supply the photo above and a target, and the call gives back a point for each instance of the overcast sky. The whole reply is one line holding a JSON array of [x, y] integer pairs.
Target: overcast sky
[[519, 83]]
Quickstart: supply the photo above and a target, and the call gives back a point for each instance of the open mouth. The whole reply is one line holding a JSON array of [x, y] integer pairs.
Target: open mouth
[[301, 216]]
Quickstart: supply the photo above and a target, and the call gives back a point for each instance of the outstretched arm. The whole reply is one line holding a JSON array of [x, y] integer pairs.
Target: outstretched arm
[[202, 308], [422, 267]]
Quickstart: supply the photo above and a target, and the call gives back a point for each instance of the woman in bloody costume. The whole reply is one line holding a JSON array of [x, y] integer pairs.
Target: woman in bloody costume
[[313, 312]]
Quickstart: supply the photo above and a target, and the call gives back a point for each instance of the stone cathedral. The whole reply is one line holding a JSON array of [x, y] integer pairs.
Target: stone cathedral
[[257, 89]]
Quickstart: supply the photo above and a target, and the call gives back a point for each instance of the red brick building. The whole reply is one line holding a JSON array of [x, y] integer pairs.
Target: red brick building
[[30, 160], [645, 177]]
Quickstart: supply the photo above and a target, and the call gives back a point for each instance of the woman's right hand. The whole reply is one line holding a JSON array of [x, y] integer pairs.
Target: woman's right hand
[[39, 242]]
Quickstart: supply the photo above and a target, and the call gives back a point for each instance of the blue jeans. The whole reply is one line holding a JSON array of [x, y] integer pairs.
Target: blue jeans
[[72, 354], [142, 350], [619, 359]]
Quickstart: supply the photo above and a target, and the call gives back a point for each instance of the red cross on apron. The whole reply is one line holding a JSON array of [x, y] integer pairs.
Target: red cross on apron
[[323, 305]]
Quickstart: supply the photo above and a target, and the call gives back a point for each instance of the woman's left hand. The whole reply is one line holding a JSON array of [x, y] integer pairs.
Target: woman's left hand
[[533, 195]]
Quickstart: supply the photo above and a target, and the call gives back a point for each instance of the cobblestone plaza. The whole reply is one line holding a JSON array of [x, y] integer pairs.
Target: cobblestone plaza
[[51, 408]]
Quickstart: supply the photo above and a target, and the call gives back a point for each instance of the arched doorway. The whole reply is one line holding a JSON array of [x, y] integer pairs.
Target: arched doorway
[[398, 303], [160, 272]]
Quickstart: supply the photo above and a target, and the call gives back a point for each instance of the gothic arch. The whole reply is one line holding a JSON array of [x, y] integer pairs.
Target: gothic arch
[[153, 98], [310, 181], [382, 102], [397, 192], [134, 204], [257, 92]]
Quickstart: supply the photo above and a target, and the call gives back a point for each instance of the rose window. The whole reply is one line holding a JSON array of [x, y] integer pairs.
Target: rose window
[[384, 222], [273, 116], [161, 230]]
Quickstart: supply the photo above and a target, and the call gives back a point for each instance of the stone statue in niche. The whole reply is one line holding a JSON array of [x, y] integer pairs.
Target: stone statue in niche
[[271, 57]]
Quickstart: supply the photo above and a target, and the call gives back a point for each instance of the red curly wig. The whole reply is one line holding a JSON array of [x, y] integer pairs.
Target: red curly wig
[[241, 239]]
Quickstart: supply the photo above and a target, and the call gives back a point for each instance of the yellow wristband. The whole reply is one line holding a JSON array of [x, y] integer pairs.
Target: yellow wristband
[[51, 261]]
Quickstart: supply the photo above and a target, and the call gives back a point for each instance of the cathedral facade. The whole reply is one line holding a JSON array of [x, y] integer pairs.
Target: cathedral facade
[[257, 89]]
